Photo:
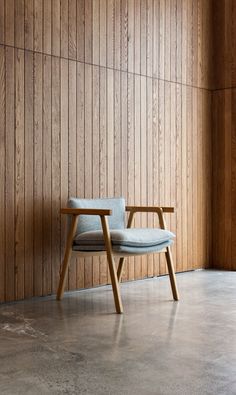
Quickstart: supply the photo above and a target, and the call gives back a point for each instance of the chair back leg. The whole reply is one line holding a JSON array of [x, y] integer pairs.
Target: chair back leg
[[120, 268], [66, 260]]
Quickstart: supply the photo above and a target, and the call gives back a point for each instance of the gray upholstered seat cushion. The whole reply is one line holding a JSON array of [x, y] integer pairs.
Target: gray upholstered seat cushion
[[93, 222], [124, 249], [125, 240]]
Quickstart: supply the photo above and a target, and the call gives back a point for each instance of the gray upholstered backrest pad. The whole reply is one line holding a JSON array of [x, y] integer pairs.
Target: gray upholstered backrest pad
[[92, 222]]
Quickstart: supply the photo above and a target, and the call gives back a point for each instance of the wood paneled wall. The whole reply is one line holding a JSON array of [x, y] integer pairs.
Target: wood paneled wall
[[101, 98], [224, 136]]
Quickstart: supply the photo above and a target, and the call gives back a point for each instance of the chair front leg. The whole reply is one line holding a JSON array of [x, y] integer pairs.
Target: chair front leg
[[169, 260], [170, 265], [67, 256], [112, 266]]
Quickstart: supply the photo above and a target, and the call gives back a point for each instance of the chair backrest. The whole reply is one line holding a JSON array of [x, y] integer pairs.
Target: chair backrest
[[92, 222]]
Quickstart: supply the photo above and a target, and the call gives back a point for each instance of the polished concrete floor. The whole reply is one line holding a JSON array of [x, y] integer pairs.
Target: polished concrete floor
[[79, 346]]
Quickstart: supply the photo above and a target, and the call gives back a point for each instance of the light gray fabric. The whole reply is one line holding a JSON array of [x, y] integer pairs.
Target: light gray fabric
[[92, 222], [125, 249], [133, 237]]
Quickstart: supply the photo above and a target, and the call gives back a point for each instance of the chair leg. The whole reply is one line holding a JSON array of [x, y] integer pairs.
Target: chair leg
[[61, 287], [171, 271], [112, 266], [66, 260], [120, 269]]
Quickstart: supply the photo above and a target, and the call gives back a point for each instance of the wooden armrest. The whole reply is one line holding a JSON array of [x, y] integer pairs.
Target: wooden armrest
[[85, 211], [150, 209]]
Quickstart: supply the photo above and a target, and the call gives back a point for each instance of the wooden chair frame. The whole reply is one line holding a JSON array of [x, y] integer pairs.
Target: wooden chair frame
[[115, 275]]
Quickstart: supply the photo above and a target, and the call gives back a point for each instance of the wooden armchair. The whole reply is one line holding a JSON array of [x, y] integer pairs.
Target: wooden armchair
[[97, 227]]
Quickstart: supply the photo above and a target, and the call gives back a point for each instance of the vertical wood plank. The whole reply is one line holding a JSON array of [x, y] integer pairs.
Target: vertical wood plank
[[2, 171], [131, 159], [207, 42], [179, 261], [137, 160], [131, 9], [162, 21], [167, 33], [95, 155], [156, 40], [29, 175], [103, 33], [124, 35], [64, 29], [47, 25], [124, 144], [80, 29], [88, 31], [150, 165], [47, 174], [155, 143], [88, 127], [64, 146], [38, 174], [95, 28], [103, 159], [9, 23], [173, 170], [19, 23], [103, 133], [179, 41], [2, 24], [200, 38], [72, 187], [190, 195], [19, 174], [56, 173], [110, 33], [150, 43], [161, 155], [143, 161], [194, 173], [118, 37], [184, 179], [56, 27], [229, 181], [117, 134], [184, 41], [10, 174], [189, 43], [110, 133], [167, 152], [29, 24], [143, 38], [232, 179], [208, 164], [38, 25], [80, 146], [72, 30], [137, 44], [195, 43], [173, 39]]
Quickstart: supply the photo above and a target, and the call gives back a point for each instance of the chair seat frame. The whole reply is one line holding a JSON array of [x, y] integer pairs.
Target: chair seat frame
[[115, 274]]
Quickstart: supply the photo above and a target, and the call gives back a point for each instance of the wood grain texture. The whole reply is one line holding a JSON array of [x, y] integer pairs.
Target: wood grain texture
[[2, 170], [94, 103], [29, 174], [224, 141]]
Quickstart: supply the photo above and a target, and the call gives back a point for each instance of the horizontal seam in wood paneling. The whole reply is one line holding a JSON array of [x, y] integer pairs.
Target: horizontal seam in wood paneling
[[223, 89], [108, 68]]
